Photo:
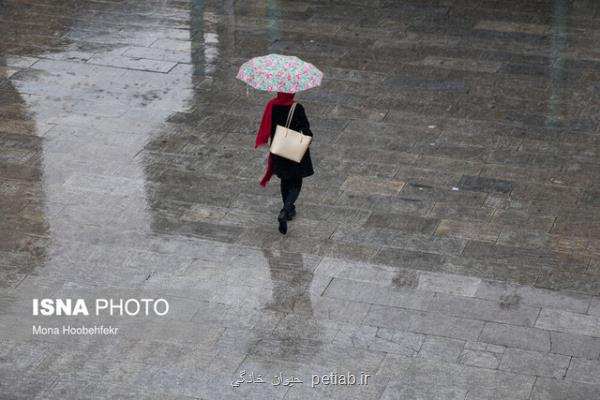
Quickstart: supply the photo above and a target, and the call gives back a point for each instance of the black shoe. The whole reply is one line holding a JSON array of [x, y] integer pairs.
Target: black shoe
[[282, 218], [291, 214]]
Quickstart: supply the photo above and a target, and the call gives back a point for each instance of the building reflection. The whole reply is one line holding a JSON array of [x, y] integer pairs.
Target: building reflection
[[23, 220], [557, 60]]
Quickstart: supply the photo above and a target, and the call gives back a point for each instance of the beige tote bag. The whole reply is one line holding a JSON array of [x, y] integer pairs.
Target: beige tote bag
[[288, 143]]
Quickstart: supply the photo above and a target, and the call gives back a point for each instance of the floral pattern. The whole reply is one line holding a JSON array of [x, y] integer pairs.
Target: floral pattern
[[279, 73]]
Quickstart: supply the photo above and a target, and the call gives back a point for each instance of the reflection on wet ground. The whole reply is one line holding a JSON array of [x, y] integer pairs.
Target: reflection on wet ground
[[448, 244]]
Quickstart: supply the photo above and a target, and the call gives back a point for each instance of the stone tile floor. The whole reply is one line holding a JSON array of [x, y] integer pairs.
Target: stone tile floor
[[448, 245]]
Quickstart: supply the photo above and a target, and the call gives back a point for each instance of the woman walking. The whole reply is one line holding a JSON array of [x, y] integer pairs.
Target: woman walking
[[289, 172], [285, 75]]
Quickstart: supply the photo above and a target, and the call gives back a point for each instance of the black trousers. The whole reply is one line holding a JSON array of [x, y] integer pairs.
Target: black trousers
[[290, 190]]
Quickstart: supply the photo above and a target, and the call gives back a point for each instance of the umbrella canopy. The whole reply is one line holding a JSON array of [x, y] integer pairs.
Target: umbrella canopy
[[279, 73]]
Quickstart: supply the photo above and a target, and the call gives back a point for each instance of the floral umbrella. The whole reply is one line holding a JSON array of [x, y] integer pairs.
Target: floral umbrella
[[279, 73]]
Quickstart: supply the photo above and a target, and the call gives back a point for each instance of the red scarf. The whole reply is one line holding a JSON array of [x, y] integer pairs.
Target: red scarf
[[264, 132]]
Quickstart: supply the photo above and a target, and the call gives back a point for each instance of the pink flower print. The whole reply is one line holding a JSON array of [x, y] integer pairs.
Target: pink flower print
[[270, 88], [280, 85], [289, 77], [269, 75]]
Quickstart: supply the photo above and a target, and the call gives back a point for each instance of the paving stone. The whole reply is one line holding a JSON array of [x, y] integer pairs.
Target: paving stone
[[408, 259], [555, 389], [437, 374], [403, 240], [525, 238], [448, 283], [334, 214], [509, 312], [534, 258], [378, 294], [158, 54], [395, 204], [479, 358], [350, 251], [495, 349], [530, 362], [315, 353], [456, 165], [442, 349], [133, 63], [576, 229], [468, 230], [502, 26], [407, 223], [373, 390], [497, 270], [567, 280], [445, 194], [28, 386], [483, 184], [583, 370], [504, 292], [306, 327], [357, 271], [514, 172], [594, 308], [381, 339], [462, 64], [371, 185], [403, 391], [568, 322], [425, 177], [516, 336], [426, 323], [591, 197], [460, 213], [575, 345]]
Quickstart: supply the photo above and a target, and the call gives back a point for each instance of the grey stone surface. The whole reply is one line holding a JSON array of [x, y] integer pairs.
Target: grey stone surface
[[569, 322], [427, 323], [479, 358], [535, 363], [555, 389], [504, 292], [446, 377], [442, 349], [483, 184], [448, 243], [594, 306], [468, 230], [516, 336], [485, 310], [448, 283], [575, 345], [583, 370], [378, 294], [381, 339]]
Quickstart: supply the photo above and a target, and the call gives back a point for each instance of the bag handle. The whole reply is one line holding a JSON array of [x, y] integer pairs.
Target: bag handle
[[290, 116]]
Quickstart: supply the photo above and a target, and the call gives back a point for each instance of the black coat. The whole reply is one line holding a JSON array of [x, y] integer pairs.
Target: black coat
[[282, 167]]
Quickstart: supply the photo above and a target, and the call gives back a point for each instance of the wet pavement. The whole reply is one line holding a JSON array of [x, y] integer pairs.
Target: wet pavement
[[448, 244]]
